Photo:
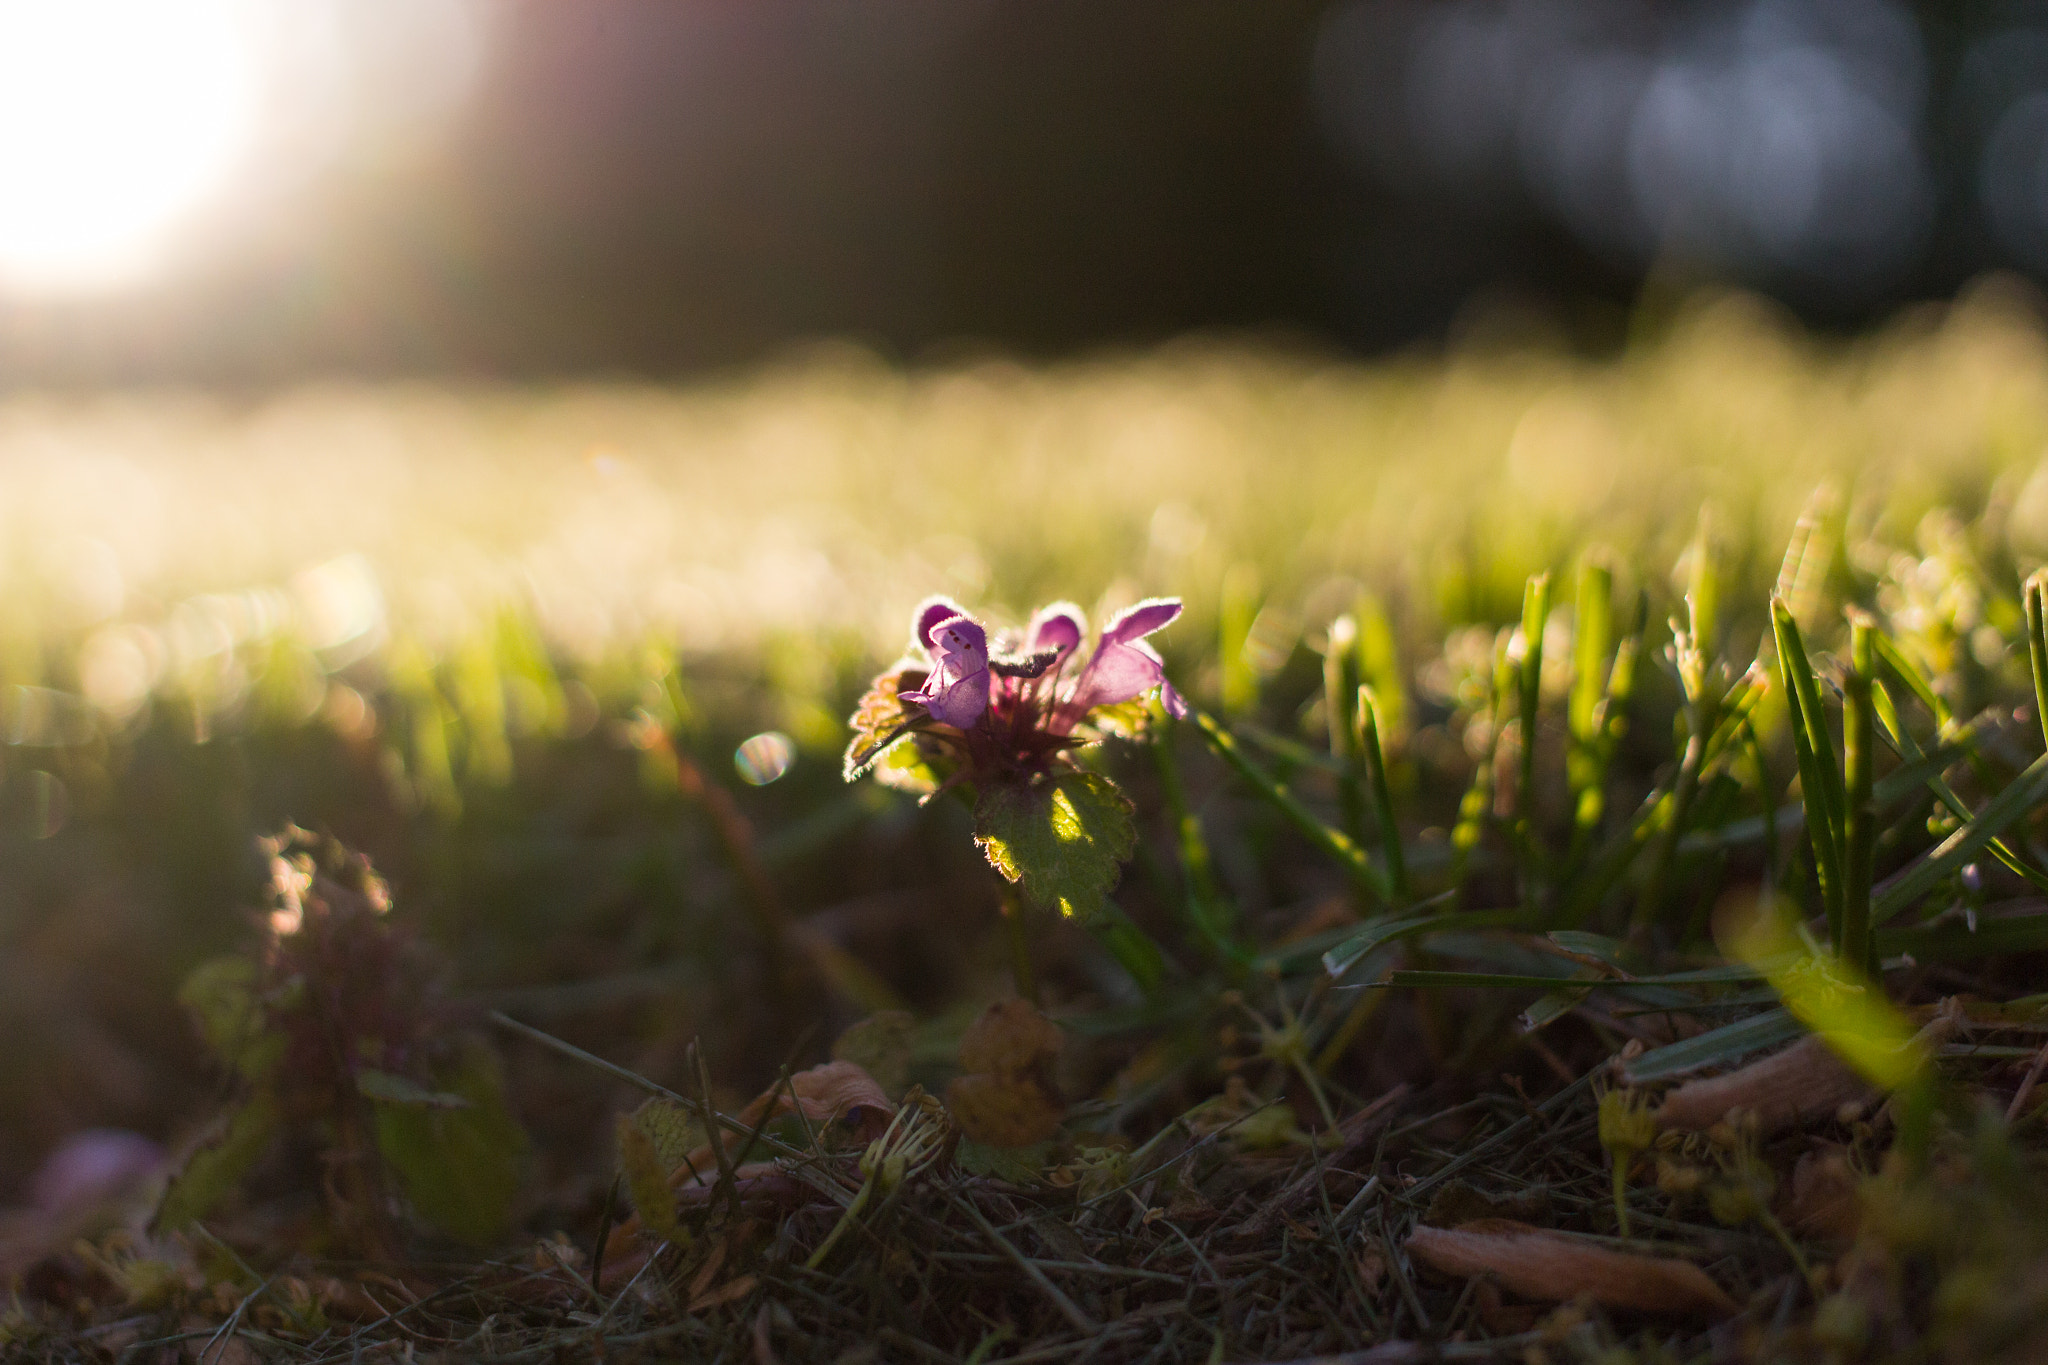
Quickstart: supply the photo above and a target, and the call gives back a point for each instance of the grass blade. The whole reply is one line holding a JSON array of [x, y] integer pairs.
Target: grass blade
[[1344, 956], [1535, 617], [1908, 748], [1819, 783], [1946, 859], [1859, 743], [1373, 755], [1333, 842], [1715, 1046]]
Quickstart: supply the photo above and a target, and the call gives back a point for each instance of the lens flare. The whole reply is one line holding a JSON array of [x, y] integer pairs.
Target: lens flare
[[117, 119]]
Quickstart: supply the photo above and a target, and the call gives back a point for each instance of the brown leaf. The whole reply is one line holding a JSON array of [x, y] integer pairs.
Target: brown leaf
[[1546, 1265], [836, 1090], [841, 1091], [1823, 1201], [1003, 1111], [1802, 1082], [1010, 1037]]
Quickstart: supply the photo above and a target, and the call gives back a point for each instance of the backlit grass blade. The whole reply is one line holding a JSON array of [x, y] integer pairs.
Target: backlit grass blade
[[1373, 756], [1859, 744], [1819, 783], [2037, 648], [1334, 842], [1339, 703], [1477, 805], [1592, 635], [1916, 682], [1535, 618]]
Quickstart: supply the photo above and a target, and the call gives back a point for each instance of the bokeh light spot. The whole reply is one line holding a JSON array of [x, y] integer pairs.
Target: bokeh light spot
[[764, 758]]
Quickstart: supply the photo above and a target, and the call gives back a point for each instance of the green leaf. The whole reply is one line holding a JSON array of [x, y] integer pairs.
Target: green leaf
[[647, 1180], [459, 1168], [673, 1128], [213, 1171], [1062, 839], [222, 996], [387, 1088]]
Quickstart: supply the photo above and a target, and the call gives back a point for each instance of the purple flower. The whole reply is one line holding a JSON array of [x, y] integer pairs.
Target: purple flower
[[1015, 699], [956, 690], [1123, 666]]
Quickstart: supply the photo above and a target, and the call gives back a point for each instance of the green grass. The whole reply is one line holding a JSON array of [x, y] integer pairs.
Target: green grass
[[1511, 699]]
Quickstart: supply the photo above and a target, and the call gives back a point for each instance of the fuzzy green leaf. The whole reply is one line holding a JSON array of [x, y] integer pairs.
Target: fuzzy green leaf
[[222, 996], [880, 724], [1063, 840], [459, 1168]]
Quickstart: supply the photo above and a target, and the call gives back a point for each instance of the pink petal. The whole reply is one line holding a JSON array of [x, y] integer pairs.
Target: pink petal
[[1117, 673], [1139, 621], [1060, 626], [931, 612]]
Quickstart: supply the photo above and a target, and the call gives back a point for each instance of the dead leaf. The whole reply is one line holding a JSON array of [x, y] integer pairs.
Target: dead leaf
[[1823, 1201], [1010, 1037], [1798, 1084], [1003, 1111], [1548, 1266], [1803, 1082], [1008, 1098], [834, 1091], [839, 1090]]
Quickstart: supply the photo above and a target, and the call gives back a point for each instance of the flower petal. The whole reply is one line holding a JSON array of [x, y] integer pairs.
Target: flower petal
[[957, 691], [1059, 626], [933, 611], [1135, 623], [1117, 673]]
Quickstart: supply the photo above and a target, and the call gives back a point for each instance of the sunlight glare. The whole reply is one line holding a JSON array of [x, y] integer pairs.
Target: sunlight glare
[[117, 119]]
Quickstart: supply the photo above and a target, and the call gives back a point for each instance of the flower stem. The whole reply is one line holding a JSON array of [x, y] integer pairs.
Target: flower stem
[[1020, 946]]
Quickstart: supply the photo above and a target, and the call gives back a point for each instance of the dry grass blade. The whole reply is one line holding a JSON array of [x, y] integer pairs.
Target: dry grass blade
[[1545, 1265]]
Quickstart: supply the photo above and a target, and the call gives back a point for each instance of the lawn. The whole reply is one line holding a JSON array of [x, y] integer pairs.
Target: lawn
[[1589, 903]]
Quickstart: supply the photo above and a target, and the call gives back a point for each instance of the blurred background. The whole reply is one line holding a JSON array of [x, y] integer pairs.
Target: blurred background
[[244, 192]]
